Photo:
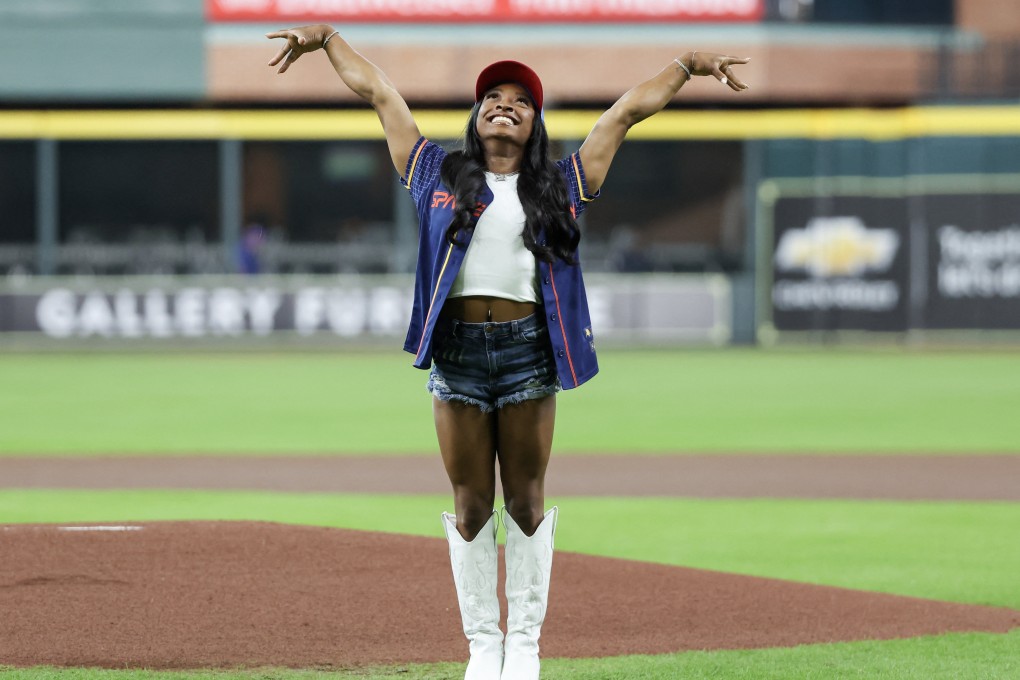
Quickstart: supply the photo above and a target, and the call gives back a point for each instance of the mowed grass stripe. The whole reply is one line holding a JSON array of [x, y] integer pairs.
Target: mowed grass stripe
[[729, 400], [962, 552], [945, 657]]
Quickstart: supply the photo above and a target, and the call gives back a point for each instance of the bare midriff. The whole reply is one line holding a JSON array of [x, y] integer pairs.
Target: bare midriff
[[479, 309]]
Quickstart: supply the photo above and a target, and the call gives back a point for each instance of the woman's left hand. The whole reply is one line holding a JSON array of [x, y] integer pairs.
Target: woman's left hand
[[300, 40], [718, 65]]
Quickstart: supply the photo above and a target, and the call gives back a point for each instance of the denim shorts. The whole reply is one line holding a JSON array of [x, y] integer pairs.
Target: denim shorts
[[490, 365]]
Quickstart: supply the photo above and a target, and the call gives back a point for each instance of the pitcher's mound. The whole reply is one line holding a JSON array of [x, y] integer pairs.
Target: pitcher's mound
[[215, 594]]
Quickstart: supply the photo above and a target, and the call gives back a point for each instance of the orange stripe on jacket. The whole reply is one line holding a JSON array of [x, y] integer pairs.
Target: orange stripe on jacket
[[559, 317], [414, 161], [580, 183], [433, 300]]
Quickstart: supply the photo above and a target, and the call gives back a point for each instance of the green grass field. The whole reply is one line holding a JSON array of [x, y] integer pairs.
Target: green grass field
[[874, 401], [654, 401]]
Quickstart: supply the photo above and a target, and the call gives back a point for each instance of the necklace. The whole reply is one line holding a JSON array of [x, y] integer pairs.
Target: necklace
[[502, 177]]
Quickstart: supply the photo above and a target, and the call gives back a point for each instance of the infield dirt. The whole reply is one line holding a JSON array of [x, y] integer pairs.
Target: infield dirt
[[224, 594]]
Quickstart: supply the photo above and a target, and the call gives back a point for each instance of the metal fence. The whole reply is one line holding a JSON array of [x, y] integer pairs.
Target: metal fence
[[974, 69]]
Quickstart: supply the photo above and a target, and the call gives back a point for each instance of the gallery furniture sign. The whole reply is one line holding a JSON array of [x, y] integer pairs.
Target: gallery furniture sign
[[632, 309]]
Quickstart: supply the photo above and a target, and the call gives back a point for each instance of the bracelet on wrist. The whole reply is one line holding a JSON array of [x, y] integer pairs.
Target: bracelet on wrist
[[328, 37], [684, 67]]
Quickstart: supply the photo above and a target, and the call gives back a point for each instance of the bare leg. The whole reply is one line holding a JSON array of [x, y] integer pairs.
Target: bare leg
[[524, 442], [525, 433], [467, 443]]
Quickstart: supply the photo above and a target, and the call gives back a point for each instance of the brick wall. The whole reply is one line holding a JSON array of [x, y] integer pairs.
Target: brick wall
[[796, 74], [991, 18]]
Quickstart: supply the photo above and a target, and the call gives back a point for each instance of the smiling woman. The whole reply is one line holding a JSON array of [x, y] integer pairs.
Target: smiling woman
[[500, 313]]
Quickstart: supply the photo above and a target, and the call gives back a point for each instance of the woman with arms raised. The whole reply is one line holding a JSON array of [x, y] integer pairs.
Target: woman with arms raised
[[500, 314]]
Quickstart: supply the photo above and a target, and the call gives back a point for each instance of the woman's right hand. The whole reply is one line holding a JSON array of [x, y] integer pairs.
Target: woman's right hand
[[364, 78], [299, 41], [718, 65]]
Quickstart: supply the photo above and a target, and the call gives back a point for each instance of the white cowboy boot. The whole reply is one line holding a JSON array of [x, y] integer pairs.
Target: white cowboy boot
[[528, 567], [475, 570]]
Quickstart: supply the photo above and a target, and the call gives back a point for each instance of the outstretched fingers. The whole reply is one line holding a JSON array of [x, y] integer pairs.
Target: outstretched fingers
[[278, 57], [292, 56], [737, 85], [290, 51], [724, 73]]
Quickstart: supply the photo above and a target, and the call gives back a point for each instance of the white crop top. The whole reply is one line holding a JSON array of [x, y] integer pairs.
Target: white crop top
[[496, 263]]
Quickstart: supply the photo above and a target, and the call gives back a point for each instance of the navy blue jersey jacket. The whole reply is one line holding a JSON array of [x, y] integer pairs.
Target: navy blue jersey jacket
[[563, 296]]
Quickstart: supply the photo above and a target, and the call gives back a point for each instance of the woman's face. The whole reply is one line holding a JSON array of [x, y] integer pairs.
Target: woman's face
[[506, 112]]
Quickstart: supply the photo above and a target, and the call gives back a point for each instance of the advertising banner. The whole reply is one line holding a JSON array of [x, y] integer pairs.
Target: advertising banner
[[974, 254], [484, 11], [628, 308], [913, 259], [841, 265]]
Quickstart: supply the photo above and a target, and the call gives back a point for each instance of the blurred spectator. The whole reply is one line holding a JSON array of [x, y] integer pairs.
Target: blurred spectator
[[248, 250]]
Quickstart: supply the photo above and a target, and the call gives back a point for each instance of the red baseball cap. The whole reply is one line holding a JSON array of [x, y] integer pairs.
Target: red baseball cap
[[509, 72]]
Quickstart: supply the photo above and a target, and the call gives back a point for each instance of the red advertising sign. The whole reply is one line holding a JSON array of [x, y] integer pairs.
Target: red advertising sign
[[482, 11]]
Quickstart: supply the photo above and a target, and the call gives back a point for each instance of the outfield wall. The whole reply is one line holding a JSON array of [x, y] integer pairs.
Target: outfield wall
[[916, 234], [890, 254], [638, 309], [896, 221]]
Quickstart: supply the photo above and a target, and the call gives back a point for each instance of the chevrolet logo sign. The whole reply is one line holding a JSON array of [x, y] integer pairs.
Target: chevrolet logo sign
[[836, 246]]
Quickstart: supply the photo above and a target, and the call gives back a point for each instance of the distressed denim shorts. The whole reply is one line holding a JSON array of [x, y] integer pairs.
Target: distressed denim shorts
[[490, 365]]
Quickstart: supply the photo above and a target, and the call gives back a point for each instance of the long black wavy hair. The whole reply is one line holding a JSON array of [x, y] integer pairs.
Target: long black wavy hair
[[540, 187]]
